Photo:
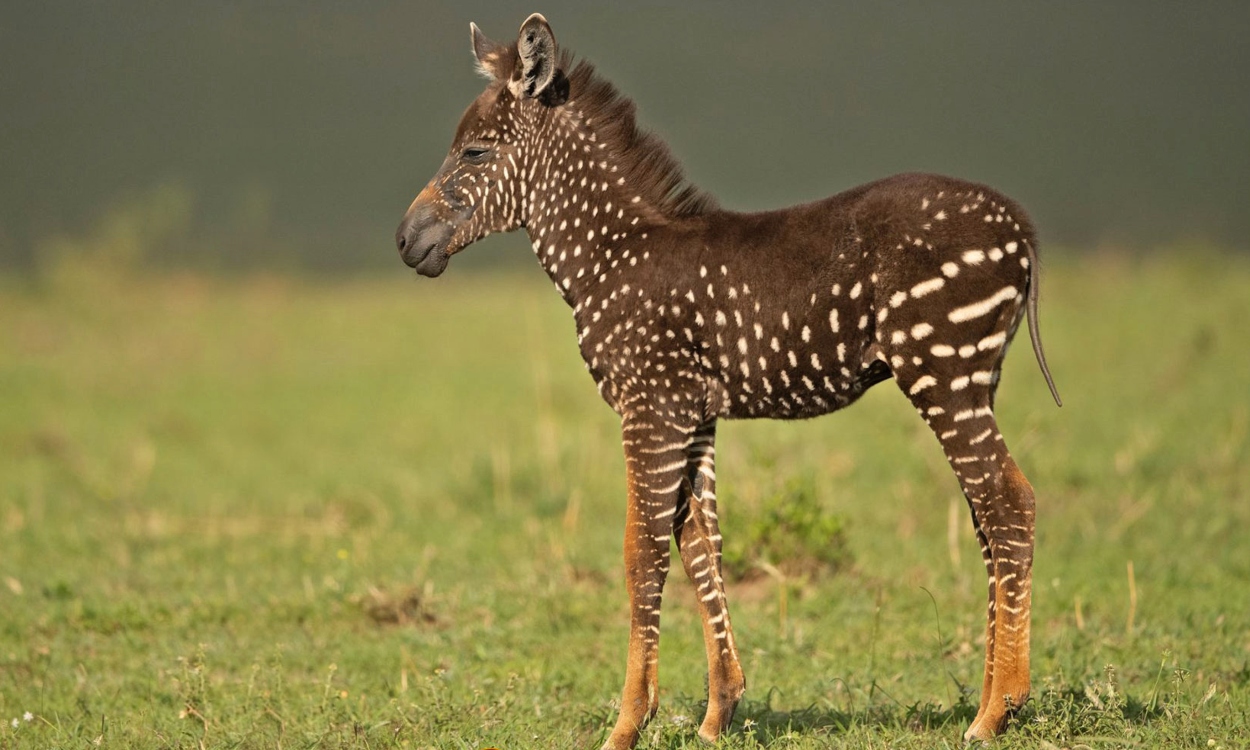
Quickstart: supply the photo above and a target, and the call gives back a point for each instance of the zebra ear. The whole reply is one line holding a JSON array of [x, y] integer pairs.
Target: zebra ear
[[491, 55], [536, 50]]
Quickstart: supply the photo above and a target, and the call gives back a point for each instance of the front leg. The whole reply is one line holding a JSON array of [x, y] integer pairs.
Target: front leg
[[655, 466], [699, 541]]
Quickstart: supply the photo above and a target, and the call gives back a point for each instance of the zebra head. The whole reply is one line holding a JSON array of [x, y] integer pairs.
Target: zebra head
[[484, 185]]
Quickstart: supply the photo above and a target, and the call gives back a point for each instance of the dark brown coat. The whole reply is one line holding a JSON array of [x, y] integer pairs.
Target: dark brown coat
[[687, 313]]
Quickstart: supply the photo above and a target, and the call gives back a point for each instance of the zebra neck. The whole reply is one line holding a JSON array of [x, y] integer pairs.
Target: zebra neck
[[583, 231]]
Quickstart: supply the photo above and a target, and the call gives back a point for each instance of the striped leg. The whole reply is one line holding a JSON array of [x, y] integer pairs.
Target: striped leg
[[987, 681], [1007, 509], [698, 539], [1002, 505], [655, 466]]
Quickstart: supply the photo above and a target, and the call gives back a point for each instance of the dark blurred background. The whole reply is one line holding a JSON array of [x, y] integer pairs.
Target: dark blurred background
[[292, 136]]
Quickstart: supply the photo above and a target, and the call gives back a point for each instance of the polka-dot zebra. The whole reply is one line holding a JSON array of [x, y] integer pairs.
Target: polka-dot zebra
[[687, 313]]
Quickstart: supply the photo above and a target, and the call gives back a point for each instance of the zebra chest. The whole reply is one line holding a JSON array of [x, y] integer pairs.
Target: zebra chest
[[641, 354]]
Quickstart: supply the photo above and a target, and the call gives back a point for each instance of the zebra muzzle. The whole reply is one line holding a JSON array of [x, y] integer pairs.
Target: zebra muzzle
[[422, 242]]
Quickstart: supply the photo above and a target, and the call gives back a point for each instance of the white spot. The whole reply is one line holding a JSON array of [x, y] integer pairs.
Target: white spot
[[855, 290], [967, 350], [977, 309], [942, 350], [985, 377], [833, 319], [959, 383], [815, 361], [898, 298], [996, 254], [742, 345], [981, 437], [925, 381], [925, 287], [807, 333], [950, 269], [1010, 247], [920, 330], [898, 337], [973, 257], [990, 342], [785, 320]]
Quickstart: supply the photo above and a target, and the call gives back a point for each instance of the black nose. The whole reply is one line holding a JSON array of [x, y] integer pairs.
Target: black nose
[[404, 235], [408, 239]]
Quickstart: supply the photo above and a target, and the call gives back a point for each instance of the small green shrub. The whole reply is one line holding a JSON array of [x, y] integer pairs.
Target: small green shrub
[[791, 533]]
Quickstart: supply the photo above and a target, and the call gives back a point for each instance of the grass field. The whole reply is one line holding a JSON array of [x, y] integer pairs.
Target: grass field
[[382, 513]]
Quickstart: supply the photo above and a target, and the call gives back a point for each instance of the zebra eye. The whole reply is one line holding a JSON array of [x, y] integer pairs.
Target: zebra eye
[[475, 154]]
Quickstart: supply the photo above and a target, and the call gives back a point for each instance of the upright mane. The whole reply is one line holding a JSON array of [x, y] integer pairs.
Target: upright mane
[[647, 164]]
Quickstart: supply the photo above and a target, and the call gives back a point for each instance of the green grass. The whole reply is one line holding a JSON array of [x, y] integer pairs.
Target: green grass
[[382, 513]]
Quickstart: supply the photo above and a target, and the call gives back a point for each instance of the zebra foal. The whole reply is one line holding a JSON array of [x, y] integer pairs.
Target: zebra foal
[[687, 313]]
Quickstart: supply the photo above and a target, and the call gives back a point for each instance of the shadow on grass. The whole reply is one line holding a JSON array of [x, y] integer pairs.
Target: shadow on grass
[[1072, 713], [765, 723], [758, 723]]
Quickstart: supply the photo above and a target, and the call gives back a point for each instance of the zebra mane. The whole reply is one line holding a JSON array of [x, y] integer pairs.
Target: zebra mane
[[648, 166]]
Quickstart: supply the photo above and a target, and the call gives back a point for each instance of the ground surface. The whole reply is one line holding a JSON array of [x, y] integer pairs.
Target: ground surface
[[377, 514]]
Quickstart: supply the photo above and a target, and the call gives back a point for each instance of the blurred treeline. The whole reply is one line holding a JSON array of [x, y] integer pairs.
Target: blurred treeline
[[292, 136]]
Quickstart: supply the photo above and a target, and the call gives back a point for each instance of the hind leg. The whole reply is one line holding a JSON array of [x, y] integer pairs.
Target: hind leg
[[1005, 510], [959, 411], [987, 682]]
